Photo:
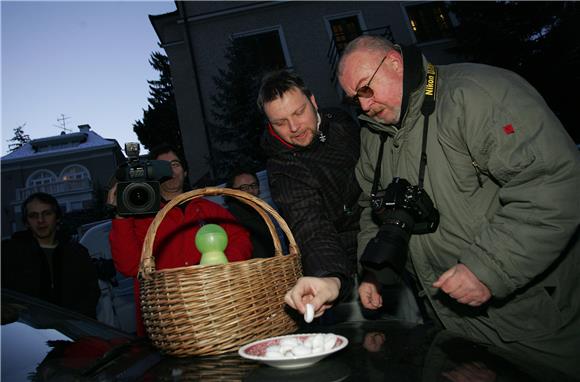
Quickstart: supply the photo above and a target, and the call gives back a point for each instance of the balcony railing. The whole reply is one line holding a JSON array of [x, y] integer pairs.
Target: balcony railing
[[333, 53], [56, 188]]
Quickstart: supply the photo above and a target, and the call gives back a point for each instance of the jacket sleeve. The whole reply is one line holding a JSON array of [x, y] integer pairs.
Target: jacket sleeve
[[125, 246], [6, 266], [87, 303], [519, 143], [364, 171], [303, 209]]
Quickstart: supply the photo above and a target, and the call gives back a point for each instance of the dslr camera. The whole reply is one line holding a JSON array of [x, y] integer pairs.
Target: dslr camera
[[400, 210], [138, 191]]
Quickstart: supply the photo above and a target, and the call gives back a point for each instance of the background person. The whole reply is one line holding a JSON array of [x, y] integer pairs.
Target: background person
[[248, 217], [43, 263], [502, 266], [174, 244]]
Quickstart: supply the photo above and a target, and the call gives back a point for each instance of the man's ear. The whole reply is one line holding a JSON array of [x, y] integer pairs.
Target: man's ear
[[396, 60], [313, 101]]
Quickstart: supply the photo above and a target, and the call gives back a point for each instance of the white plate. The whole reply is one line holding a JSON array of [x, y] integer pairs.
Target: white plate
[[256, 351]]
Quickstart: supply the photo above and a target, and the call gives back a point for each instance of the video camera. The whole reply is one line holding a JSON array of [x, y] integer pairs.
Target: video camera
[[138, 191]]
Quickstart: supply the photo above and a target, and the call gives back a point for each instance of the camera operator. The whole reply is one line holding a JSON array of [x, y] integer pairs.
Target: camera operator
[[175, 240], [501, 263]]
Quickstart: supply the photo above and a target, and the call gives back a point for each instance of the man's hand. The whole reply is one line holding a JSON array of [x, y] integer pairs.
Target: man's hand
[[462, 285], [368, 291], [112, 195], [318, 291]]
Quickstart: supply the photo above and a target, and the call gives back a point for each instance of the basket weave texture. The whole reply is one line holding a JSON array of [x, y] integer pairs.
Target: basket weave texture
[[215, 309]]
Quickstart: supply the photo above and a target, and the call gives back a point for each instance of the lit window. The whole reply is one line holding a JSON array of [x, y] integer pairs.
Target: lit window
[[344, 30], [74, 172], [429, 21]]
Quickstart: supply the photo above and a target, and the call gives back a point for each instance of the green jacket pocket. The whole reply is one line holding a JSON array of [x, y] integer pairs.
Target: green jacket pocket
[[532, 314]]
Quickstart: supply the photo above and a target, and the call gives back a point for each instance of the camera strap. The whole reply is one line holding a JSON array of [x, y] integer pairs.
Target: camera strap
[[377, 175], [427, 108]]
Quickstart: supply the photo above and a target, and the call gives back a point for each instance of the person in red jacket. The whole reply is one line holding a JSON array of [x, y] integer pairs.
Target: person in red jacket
[[174, 244]]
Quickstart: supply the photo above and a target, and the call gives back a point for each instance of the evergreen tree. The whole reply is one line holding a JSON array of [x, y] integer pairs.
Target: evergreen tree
[[236, 135], [160, 122], [19, 138], [537, 40]]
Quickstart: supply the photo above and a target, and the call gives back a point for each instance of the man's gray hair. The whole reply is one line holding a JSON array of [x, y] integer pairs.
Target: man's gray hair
[[371, 43]]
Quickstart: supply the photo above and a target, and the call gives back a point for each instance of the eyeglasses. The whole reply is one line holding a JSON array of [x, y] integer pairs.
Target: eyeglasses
[[365, 91], [248, 187]]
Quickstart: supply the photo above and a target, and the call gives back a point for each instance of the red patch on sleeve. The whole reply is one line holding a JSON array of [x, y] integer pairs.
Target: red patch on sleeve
[[508, 129]]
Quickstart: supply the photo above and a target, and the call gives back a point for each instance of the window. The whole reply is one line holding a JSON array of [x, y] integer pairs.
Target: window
[[40, 177], [74, 172], [344, 30], [76, 206], [429, 21], [264, 49]]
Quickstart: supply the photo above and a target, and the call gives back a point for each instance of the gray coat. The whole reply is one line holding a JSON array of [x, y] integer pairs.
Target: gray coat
[[504, 176]]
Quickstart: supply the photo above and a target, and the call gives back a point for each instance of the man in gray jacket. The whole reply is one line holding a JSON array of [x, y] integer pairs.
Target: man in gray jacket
[[475, 192]]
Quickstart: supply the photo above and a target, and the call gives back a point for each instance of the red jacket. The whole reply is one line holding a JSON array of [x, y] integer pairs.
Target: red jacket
[[174, 244]]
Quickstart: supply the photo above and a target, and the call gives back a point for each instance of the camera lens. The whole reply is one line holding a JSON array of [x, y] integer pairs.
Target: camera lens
[[389, 247], [139, 197]]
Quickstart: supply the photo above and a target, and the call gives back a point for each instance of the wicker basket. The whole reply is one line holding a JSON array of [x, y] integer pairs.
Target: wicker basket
[[215, 309]]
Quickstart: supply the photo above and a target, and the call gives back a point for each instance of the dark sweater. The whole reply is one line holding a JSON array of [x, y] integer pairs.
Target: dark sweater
[[251, 220], [73, 284]]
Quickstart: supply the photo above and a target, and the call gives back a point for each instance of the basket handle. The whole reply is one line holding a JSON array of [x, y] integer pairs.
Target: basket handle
[[147, 264]]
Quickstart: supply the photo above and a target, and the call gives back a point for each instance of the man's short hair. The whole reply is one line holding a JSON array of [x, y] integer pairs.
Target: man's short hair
[[237, 172], [42, 197], [164, 148], [371, 43], [274, 84]]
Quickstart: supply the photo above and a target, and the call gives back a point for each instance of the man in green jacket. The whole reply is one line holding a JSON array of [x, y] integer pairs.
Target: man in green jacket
[[496, 255]]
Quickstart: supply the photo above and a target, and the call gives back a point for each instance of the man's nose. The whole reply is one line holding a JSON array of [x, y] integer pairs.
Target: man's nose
[[293, 126], [365, 103]]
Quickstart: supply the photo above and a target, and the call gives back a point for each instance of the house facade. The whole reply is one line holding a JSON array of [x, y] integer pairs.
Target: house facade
[[304, 36], [75, 168]]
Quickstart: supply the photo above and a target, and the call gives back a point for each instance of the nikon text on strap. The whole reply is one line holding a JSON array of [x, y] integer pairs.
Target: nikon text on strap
[[427, 108]]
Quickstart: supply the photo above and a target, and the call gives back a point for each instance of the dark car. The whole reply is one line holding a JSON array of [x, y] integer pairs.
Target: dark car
[[42, 342]]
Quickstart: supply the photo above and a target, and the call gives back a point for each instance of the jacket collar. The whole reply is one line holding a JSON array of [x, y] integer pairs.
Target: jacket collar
[[414, 69]]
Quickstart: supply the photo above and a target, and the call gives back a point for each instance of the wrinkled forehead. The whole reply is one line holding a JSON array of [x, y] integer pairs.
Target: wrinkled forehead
[[286, 104], [356, 65]]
